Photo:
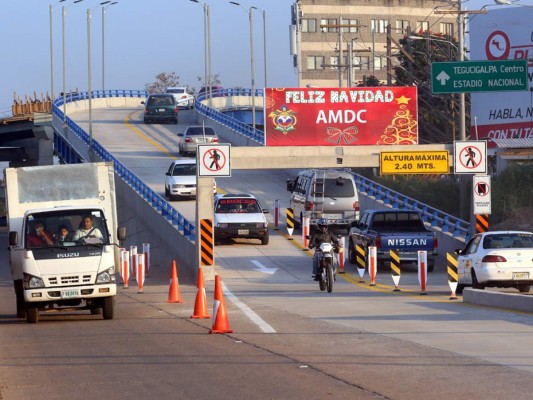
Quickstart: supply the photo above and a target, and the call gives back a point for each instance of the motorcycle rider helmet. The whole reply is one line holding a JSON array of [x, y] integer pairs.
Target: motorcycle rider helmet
[[322, 225]]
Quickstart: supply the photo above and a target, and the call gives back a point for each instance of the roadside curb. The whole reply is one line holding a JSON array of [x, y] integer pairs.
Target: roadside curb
[[511, 301]]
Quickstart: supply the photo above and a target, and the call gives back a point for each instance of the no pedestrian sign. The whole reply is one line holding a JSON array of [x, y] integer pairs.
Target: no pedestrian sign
[[214, 160], [470, 157]]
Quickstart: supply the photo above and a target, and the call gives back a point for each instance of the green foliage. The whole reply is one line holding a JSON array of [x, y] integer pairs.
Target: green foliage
[[511, 190], [441, 193]]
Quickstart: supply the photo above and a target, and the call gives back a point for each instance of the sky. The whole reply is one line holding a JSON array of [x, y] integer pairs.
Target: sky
[[142, 39]]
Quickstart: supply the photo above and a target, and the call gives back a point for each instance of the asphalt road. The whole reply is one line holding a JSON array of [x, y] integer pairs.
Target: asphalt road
[[290, 340]]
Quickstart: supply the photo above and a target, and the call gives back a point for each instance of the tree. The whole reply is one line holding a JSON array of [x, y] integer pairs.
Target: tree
[[438, 115], [163, 81], [215, 80]]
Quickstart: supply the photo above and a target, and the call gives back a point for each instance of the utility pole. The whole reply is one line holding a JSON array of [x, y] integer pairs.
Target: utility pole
[[340, 64]]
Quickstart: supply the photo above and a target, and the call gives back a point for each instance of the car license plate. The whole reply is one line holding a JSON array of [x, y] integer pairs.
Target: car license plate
[[67, 294], [520, 275], [161, 110], [334, 216], [243, 231]]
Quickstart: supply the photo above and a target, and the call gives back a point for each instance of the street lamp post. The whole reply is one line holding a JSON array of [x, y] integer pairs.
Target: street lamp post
[[52, 51], [104, 8], [207, 49], [264, 43], [89, 79], [63, 13], [250, 16]]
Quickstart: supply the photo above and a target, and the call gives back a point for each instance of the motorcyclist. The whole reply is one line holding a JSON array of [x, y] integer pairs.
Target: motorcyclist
[[322, 235]]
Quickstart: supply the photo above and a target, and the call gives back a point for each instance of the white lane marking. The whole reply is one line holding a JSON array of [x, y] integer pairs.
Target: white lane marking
[[262, 268], [266, 328]]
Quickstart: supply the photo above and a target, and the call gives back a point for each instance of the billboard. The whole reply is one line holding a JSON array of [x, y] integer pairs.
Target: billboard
[[341, 116], [505, 34]]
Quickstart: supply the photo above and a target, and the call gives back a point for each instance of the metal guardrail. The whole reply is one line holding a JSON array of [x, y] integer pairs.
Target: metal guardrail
[[155, 200], [230, 122], [437, 219]]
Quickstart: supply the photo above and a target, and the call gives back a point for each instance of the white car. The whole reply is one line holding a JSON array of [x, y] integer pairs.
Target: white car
[[183, 98], [497, 259], [240, 216], [180, 180]]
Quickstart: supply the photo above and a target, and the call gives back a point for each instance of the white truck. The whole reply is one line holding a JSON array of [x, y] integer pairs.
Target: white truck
[[58, 261]]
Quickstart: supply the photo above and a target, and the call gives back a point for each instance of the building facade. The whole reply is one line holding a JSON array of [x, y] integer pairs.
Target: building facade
[[358, 28]]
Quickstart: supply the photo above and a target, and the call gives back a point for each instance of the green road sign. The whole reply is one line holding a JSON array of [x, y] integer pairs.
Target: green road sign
[[478, 76]]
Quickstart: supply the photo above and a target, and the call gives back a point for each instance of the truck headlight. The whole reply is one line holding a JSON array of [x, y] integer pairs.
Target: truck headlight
[[107, 276], [32, 282]]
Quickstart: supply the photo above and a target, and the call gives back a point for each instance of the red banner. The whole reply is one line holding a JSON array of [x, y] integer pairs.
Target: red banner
[[341, 116]]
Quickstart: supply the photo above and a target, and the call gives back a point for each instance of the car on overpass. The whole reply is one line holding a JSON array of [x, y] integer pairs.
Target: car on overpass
[[183, 98], [193, 135], [180, 180], [160, 107]]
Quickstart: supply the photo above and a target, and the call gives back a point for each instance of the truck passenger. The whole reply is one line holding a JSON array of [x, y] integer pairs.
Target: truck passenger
[[88, 230], [41, 237]]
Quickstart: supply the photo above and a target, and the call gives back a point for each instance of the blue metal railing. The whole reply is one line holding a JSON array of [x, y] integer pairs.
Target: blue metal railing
[[154, 199], [437, 219], [226, 120]]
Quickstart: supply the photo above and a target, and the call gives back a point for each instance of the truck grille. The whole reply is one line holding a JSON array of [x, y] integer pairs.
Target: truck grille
[[69, 280]]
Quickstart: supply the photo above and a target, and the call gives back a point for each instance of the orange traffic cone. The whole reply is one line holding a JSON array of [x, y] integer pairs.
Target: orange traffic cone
[[200, 304], [174, 290], [220, 317]]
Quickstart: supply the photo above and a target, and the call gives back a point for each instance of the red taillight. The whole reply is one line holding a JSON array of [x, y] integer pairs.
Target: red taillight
[[183, 97], [378, 242], [188, 140], [491, 258], [176, 109], [147, 110], [214, 140], [435, 243], [308, 206], [356, 205]]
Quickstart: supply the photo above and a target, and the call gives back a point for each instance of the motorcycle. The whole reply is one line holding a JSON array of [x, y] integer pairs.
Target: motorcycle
[[326, 273]]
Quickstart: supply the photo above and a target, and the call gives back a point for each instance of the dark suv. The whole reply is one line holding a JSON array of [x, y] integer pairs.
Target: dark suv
[[160, 108]]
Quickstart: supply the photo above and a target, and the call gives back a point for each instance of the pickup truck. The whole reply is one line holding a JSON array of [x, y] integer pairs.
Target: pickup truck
[[400, 230]]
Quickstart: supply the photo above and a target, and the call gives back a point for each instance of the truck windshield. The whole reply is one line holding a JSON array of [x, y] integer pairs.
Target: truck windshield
[[65, 228]]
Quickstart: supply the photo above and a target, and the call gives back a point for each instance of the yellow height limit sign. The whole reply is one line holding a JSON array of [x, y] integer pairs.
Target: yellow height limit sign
[[414, 162]]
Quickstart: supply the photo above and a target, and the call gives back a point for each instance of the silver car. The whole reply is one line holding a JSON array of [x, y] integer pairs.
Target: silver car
[[193, 136], [180, 180]]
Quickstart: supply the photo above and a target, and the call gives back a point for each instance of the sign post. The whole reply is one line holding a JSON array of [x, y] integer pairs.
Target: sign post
[[212, 160], [479, 76]]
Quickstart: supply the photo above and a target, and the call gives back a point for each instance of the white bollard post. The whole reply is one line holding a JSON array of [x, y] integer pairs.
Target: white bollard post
[[422, 270], [146, 252], [133, 261], [305, 232], [373, 261]]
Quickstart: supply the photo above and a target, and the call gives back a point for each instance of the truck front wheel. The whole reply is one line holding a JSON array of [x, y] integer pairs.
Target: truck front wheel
[[19, 296], [32, 315], [108, 307]]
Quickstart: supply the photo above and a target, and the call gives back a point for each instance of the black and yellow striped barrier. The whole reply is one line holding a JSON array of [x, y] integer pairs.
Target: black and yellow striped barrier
[[482, 223], [206, 242], [453, 275], [360, 261], [290, 222], [395, 269]]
